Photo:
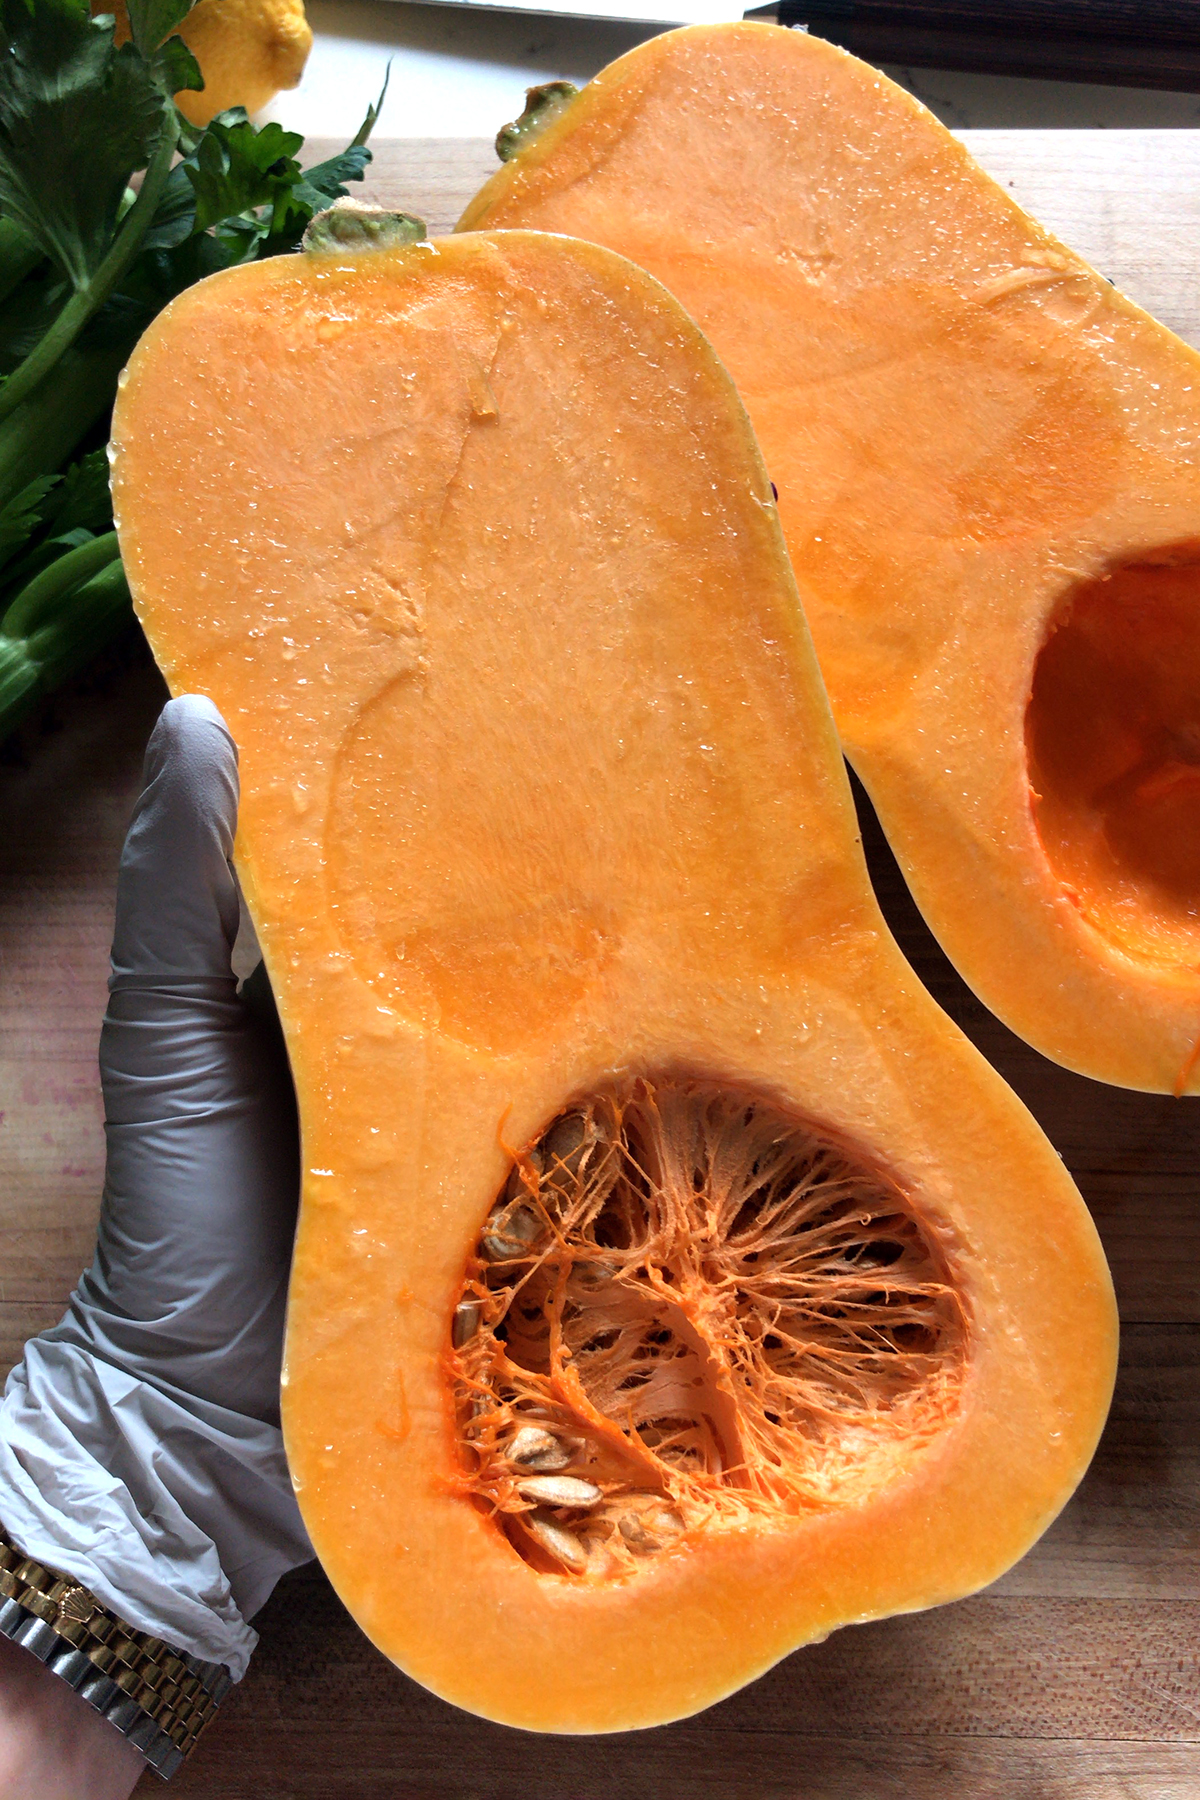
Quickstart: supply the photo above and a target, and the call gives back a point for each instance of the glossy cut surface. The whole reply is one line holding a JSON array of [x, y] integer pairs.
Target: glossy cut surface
[[969, 429], [472, 545]]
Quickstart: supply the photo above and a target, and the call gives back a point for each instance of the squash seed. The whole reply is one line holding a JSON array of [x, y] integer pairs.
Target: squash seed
[[556, 1540], [646, 1532], [518, 1186], [568, 1145], [466, 1323], [533, 1448], [559, 1490], [512, 1233]]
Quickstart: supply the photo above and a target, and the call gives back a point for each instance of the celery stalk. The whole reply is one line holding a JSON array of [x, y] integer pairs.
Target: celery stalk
[[83, 622], [41, 434], [86, 300], [37, 604]]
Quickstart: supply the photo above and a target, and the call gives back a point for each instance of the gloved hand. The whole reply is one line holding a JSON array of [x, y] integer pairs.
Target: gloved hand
[[140, 1449]]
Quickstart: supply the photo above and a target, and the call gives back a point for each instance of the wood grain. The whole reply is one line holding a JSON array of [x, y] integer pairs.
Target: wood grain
[[1000, 1697], [1075, 1677], [67, 787]]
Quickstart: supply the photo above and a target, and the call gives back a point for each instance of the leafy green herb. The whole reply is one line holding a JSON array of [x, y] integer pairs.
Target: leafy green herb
[[235, 169], [83, 500], [250, 190], [175, 215], [77, 118], [151, 22], [23, 514], [85, 263], [324, 183], [176, 69], [74, 509], [90, 295]]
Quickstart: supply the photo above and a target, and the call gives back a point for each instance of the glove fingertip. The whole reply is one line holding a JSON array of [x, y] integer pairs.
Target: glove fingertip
[[177, 908], [192, 733]]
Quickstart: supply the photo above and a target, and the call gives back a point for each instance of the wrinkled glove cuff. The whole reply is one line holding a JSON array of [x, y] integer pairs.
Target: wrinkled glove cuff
[[159, 1698]]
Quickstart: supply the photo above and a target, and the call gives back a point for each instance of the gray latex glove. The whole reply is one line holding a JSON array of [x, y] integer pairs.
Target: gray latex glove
[[139, 1439]]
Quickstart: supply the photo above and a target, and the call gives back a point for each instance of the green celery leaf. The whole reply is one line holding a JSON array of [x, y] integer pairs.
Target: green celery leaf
[[152, 26], [372, 119], [241, 239], [77, 118], [154, 279], [24, 514], [236, 169], [316, 188], [58, 513], [119, 323], [175, 215], [55, 547], [170, 272], [177, 69], [28, 313], [83, 502], [321, 185], [250, 191], [151, 22]]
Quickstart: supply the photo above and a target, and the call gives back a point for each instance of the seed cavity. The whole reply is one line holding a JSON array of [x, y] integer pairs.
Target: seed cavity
[[712, 1310]]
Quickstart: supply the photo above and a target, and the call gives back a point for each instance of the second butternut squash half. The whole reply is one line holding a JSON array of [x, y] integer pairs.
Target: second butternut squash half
[[988, 465], [674, 1283]]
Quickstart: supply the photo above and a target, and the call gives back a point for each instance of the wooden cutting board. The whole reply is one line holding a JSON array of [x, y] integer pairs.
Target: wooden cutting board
[[1076, 1677]]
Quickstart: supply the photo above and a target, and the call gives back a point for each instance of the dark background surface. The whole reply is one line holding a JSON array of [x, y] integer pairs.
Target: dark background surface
[[1146, 43]]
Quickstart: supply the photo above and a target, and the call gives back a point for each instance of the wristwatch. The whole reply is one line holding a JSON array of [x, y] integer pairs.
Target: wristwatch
[[159, 1698]]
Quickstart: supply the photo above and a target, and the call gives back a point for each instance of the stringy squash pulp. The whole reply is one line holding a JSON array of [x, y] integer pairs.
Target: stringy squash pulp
[[673, 1282], [988, 466]]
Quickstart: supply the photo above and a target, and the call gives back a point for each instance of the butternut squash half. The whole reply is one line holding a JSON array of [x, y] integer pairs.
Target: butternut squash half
[[988, 465], [673, 1282]]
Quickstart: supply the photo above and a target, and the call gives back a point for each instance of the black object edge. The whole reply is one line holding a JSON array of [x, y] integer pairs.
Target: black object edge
[[1146, 43]]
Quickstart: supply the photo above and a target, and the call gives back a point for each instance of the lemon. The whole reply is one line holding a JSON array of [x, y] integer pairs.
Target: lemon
[[247, 50]]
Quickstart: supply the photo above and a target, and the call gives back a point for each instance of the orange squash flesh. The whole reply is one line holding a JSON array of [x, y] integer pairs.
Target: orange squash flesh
[[544, 820], [969, 429]]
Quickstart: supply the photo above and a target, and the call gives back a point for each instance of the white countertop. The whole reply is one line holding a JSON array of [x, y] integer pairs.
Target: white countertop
[[460, 71]]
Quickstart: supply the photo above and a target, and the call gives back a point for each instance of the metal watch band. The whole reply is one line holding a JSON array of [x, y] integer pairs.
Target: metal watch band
[[159, 1698]]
